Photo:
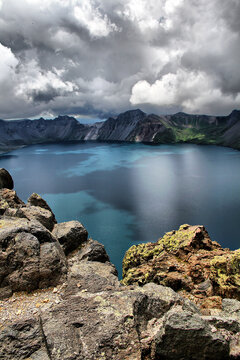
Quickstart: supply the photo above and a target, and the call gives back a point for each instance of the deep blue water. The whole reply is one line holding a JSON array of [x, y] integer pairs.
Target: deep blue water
[[125, 194]]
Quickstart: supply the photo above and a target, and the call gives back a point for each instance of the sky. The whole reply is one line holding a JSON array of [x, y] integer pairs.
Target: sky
[[94, 59]]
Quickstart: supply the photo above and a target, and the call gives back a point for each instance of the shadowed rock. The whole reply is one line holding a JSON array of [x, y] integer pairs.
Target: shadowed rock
[[6, 180], [70, 234]]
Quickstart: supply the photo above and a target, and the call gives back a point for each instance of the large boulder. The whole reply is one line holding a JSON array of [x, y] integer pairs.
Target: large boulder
[[6, 180], [44, 216], [186, 336], [187, 261], [30, 257], [71, 235]]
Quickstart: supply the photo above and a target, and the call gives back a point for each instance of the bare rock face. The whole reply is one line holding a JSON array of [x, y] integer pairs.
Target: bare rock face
[[6, 180], [30, 257], [44, 216], [9, 199], [187, 336], [189, 262], [91, 250], [70, 235], [37, 200]]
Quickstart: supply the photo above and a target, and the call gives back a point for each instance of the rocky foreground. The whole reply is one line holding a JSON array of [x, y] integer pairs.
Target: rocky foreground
[[61, 298]]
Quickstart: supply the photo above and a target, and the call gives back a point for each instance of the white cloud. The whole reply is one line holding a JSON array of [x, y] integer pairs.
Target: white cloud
[[193, 91], [91, 18], [92, 56], [33, 81], [8, 63]]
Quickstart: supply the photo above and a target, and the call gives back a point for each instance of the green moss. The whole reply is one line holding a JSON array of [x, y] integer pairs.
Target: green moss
[[143, 253], [225, 274]]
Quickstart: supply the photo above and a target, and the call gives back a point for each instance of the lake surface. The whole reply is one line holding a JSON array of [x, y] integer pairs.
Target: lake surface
[[125, 194]]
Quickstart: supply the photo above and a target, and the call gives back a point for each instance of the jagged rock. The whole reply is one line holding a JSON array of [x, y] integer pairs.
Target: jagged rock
[[92, 250], [11, 205], [30, 257], [42, 215], [6, 180], [187, 261], [70, 234], [37, 200], [186, 336], [9, 199]]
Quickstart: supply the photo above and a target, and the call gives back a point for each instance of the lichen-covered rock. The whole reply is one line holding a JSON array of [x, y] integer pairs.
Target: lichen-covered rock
[[6, 180], [70, 234], [225, 274], [187, 261], [30, 257]]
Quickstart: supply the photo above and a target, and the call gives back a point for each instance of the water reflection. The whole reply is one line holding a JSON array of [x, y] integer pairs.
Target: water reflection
[[132, 193]]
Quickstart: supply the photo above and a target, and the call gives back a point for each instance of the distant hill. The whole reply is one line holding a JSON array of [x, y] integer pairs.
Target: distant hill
[[130, 126]]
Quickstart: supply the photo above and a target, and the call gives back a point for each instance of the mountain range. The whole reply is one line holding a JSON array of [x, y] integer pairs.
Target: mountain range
[[130, 126]]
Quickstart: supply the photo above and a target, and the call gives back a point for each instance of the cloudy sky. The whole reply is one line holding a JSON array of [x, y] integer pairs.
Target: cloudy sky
[[97, 58]]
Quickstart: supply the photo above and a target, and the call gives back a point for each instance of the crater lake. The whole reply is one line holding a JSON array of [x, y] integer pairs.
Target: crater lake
[[125, 194]]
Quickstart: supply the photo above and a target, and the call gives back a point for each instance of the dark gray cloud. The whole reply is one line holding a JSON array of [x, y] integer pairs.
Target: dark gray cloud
[[98, 58]]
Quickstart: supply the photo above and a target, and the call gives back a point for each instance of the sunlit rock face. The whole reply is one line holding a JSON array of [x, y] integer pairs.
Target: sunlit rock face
[[187, 261]]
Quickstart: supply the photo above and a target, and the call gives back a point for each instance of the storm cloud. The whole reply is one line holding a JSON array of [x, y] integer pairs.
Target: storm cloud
[[98, 58]]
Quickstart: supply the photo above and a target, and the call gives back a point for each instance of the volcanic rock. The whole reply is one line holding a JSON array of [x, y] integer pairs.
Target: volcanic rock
[[187, 261], [6, 180], [30, 257], [70, 234]]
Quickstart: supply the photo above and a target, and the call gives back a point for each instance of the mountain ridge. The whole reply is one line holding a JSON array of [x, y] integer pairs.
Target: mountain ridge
[[130, 126]]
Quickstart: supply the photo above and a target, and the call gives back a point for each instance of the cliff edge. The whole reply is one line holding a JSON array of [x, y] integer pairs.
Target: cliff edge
[[60, 297]]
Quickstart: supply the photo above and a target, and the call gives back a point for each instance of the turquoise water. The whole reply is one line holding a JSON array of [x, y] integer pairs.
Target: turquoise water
[[125, 194]]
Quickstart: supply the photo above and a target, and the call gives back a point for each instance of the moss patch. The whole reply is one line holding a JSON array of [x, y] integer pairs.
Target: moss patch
[[225, 274]]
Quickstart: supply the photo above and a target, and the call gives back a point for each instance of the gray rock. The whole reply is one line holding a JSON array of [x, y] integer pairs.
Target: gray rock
[[44, 216], [221, 322], [91, 250], [30, 257], [6, 180], [20, 340], [70, 234], [186, 336], [231, 306], [9, 227], [92, 326], [91, 276]]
